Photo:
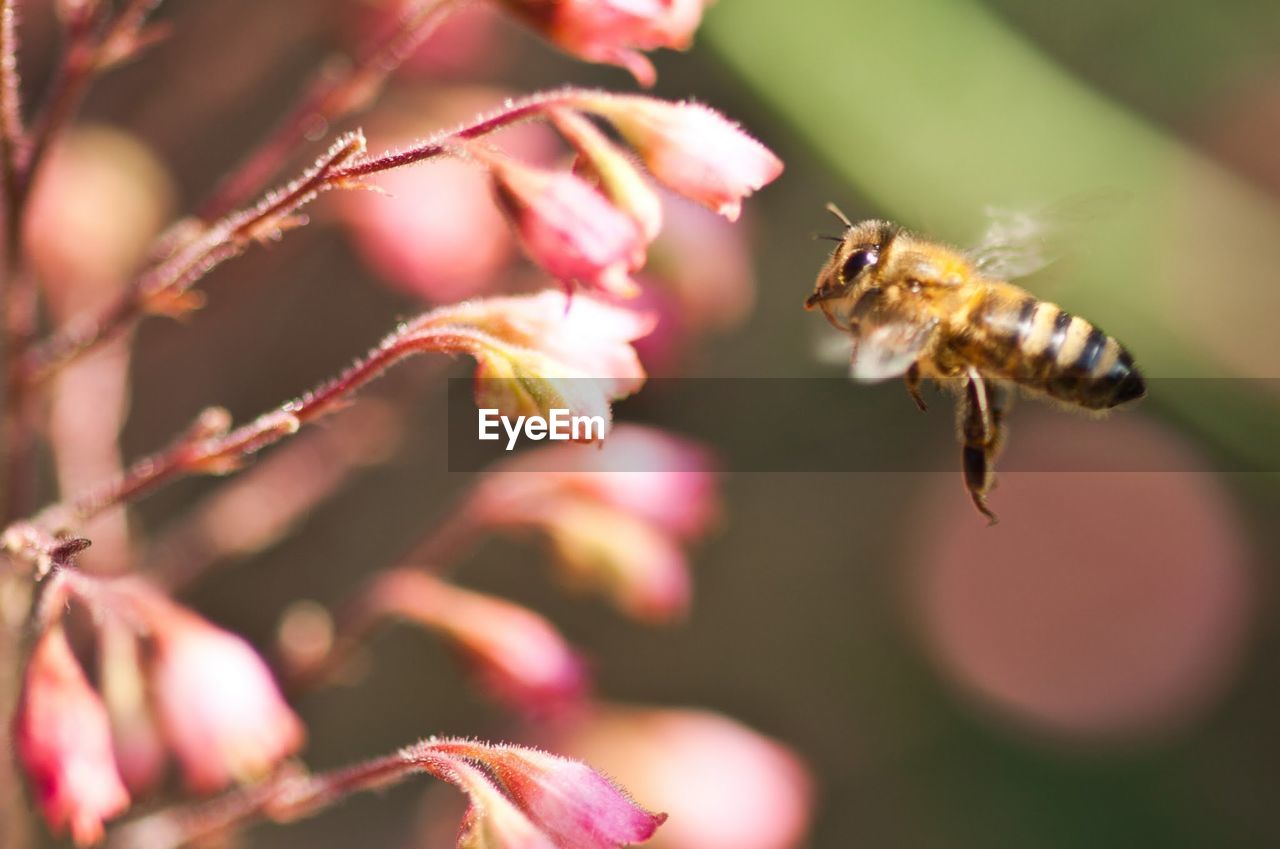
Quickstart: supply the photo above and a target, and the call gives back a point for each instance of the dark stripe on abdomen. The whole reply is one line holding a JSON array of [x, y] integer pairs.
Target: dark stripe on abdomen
[[1091, 351], [1050, 353], [1026, 312]]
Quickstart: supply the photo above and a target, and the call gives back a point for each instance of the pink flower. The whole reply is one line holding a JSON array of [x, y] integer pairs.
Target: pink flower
[[492, 821], [536, 353], [614, 170], [436, 232], [641, 569], [564, 799], [690, 148], [724, 784], [613, 31], [516, 654], [614, 517], [656, 476], [217, 703], [568, 227], [63, 740], [139, 747]]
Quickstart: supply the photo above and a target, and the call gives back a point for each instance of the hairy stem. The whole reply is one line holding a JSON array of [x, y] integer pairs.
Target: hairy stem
[[288, 796], [13, 138], [14, 819], [210, 446], [164, 287], [265, 502]]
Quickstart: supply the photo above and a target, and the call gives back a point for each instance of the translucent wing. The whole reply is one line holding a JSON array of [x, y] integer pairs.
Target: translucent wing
[[830, 348], [877, 350], [885, 348], [1019, 242], [1015, 244]]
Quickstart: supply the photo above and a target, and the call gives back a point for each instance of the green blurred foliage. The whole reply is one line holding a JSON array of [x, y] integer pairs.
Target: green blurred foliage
[[934, 110], [927, 112]]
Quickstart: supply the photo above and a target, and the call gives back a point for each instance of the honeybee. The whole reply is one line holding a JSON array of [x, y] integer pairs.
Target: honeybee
[[921, 310]]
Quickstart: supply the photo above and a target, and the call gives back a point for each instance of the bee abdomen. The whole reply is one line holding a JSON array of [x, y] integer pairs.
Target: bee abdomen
[[1049, 350]]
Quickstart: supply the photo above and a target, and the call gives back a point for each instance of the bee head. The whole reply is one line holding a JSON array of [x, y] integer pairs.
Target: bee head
[[851, 266]]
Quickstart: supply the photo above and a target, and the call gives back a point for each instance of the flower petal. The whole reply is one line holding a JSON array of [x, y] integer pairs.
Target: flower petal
[[567, 800], [690, 148], [63, 740], [516, 654]]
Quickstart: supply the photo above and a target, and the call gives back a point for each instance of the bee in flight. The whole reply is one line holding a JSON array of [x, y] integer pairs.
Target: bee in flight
[[921, 310]]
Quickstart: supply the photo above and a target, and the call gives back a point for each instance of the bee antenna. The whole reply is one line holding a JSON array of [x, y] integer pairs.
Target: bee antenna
[[835, 210], [828, 237]]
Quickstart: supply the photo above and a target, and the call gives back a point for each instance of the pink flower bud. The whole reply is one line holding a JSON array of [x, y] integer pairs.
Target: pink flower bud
[[570, 228], [614, 516], [618, 176], [539, 352], [690, 148], [725, 785], [639, 568], [436, 232], [492, 821], [516, 654], [63, 739], [216, 701], [566, 800], [653, 475], [613, 31], [139, 746]]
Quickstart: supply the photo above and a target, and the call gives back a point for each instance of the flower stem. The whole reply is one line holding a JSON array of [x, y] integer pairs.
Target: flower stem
[[288, 796], [14, 817], [210, 446], [164, 287], [12, 134]]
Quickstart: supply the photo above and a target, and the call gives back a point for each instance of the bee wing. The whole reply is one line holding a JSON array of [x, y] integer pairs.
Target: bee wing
[[1020, 242], [886, 346], [1015, 244]]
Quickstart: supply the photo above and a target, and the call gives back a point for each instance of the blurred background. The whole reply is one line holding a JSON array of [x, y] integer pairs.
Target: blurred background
[[1099, 669]]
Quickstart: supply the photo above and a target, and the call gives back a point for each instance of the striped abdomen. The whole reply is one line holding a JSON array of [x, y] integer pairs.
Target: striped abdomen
[[1046, 349]]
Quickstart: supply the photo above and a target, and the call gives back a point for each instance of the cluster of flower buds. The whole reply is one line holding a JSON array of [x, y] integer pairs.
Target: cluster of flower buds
[[171, 686], [616, 515], [593, 225], [211, 700]]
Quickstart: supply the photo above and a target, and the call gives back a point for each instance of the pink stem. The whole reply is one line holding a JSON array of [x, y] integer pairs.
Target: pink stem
[[175, 275], [286, 797]]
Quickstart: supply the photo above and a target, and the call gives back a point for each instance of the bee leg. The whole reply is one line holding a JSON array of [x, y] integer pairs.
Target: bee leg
[[912, 379], [981, 420]]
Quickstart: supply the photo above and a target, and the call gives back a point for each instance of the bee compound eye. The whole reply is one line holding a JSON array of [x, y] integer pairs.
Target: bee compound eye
[[857, 262]]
